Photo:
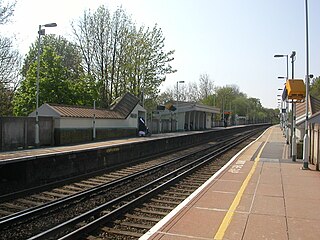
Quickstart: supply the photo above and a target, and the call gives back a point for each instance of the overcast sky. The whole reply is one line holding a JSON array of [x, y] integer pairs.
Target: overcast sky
[[233, 41]]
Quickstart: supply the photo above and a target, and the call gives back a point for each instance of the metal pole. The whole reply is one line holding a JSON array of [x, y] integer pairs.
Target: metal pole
[[223, 99], [293, 135], [287, 110], [306, 136], [177, 105], [94, 121], [37, 90]]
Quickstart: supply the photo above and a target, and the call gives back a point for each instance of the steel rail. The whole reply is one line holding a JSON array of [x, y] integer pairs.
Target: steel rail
[[176, 175], [47, 207]]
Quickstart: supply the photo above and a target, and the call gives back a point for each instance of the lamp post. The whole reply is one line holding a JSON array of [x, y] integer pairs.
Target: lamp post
[[279, 101], [306, 136], [293, 111], [94, 121], [40, 32], [178, 103], [281, 106], [286, 115]]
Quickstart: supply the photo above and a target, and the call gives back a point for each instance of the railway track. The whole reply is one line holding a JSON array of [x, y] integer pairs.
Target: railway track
[[17, 202], [157, 203], [107, 198]]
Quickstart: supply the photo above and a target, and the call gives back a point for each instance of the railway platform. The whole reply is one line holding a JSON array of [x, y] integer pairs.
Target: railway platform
[[47, 151], [34, 167], [259, 194]]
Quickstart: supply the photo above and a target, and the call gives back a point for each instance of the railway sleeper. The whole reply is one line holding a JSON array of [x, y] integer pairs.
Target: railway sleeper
[[193, 181], [166, 202], [83, 185], [104, 178], [118, 175], [98, 180], [65, 191], [181, 191], [202, 177], [171, 197], [128, 171], [150, 205], [175, 193], [91, 182], [42, 197], [135, 225], [74, 188], [28, 202], [151, 212], [186, 186], [121, 232], [13, 206], [5, 212], [143, 218], [55, 194]]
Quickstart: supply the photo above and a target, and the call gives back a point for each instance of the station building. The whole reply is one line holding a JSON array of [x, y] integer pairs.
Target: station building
[[186, 116], [74, 124]]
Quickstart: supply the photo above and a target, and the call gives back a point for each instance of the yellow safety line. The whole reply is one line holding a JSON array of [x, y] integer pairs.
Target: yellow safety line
[[227, 219]]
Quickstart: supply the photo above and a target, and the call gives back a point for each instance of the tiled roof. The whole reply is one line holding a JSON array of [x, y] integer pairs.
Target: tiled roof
[[84, 112], [125, 105], [120, 110], [314, 107]]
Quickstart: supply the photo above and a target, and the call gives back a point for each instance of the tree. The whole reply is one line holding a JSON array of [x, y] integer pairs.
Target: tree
[[57, 84], [10, 61], [69, 53], [120, 56], [166, 96], [62, 79], [206, 86], [53, 87], [6, 11], [315, 88]]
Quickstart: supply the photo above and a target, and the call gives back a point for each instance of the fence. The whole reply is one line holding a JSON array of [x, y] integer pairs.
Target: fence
[[19, 132]]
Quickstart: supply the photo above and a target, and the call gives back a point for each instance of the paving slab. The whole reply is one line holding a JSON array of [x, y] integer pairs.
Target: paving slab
[[273, 199], [300, 229], [265, 227]]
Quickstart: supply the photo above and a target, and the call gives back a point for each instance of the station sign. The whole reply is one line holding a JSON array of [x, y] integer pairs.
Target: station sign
[[296, 89]]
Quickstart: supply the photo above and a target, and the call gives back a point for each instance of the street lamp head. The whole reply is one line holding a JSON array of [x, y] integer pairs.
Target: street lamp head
[[180, 81], [281, 77], [280, 55], [50, 25]]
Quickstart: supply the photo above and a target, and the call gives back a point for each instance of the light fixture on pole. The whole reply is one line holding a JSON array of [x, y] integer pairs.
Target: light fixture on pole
[[286, 114], [178, 103], [281, 107], [306, 136], [286, 56], [40, 32]]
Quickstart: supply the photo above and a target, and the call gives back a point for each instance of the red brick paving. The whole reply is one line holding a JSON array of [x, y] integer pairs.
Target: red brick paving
[[281, 201]]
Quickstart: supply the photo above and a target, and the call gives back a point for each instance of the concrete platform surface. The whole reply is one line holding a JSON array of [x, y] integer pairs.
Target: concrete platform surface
[[36, 152], [259, 194]]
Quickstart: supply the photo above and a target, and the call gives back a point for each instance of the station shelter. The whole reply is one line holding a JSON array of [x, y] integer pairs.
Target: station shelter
[[185, 116], [314, 128], [76, 124]]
